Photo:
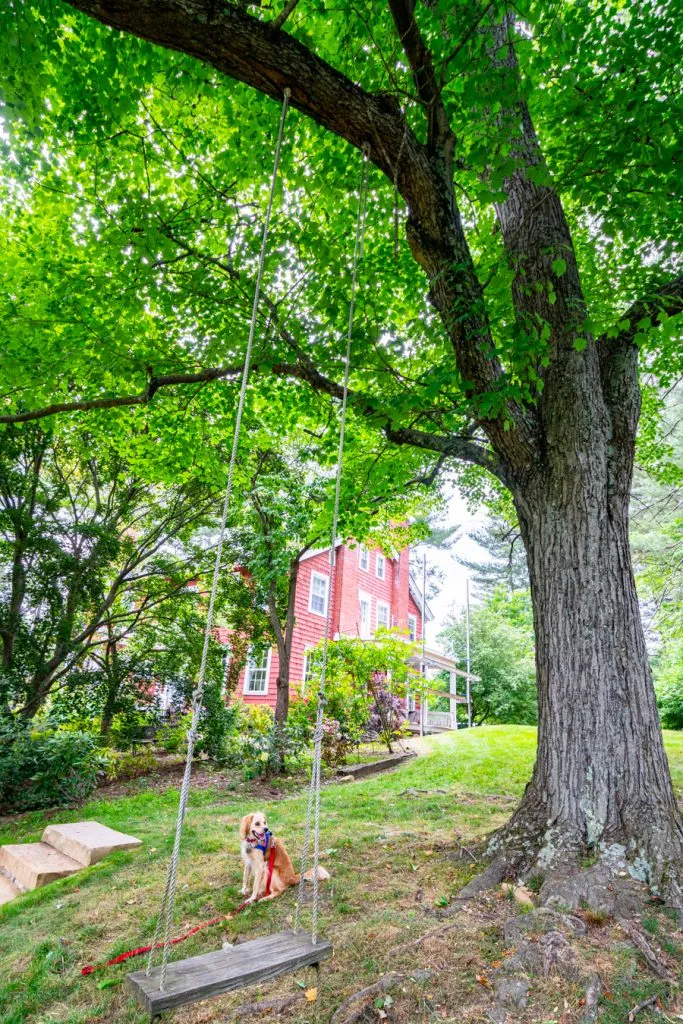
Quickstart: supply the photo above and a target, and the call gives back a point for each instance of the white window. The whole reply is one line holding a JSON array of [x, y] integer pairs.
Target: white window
[[382, 615], [381, 566], [412, 627], [364, 605], [318, 597], [226, 671], [310, 665], [363, 558], [256, 678]]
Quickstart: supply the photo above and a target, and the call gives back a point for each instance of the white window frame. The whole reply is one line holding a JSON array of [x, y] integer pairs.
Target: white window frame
[[225, 665], [363, 558], [363, 596], [247, 675], [326, 580], [307, 675], [412, 629], [380, 560], [387, 624]]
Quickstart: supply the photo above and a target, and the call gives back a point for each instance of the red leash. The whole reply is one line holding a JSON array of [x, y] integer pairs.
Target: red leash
[[90, 968]]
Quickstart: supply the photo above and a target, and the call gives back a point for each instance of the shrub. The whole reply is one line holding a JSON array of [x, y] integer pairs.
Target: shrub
[[128, 764], [172, 737], [40, 769], [260, 747], [335, 746], [387, 713], [129, 728]]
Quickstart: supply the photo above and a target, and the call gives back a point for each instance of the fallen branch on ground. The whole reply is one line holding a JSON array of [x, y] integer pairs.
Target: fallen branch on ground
[[365, 995], [652, 1001], [269, 1006]]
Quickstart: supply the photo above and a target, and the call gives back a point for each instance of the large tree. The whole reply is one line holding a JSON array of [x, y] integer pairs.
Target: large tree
[[535, 155]]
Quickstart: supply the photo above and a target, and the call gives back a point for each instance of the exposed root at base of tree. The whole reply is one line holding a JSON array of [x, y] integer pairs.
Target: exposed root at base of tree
[[612, 877], [591, 1006], [644, 948]]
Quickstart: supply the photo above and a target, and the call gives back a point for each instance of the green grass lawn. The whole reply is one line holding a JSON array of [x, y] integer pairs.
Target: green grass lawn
[[387, 847]]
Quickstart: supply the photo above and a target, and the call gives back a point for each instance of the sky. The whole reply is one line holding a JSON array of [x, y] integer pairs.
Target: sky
[[452, 588]]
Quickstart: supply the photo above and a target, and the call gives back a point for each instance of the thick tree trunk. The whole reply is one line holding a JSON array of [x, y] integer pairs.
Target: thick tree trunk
[[601, 780]]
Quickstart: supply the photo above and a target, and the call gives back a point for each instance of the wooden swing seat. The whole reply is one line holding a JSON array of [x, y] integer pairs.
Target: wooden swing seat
[[212, 974]]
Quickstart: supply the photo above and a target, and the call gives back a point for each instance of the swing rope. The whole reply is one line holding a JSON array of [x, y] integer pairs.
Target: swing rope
[[313, 807], [168, 900]]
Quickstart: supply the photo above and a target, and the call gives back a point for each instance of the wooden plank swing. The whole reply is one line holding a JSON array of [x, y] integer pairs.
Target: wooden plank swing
[[212, 974]]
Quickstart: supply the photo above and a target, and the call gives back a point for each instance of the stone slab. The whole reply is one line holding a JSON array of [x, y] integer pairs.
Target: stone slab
[[87, 841], [31, 865], [8, 890]]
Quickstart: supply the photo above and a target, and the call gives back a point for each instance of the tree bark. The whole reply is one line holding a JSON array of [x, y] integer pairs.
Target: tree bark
[[601, 780]]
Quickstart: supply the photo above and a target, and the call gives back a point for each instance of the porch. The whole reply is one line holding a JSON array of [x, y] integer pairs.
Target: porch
[[431, 665]]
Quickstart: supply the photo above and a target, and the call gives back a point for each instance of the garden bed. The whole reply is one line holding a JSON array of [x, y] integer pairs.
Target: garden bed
[[383, 764]]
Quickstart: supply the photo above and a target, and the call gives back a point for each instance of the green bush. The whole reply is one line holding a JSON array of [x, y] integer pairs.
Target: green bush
[[258, 746], [128, 764], [41, 769], [131, 727], [173, 736]]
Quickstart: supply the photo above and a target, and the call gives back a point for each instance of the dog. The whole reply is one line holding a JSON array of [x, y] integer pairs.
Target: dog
[[256, 845]]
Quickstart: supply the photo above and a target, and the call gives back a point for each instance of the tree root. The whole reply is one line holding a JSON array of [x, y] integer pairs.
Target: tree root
[[499, 869], [594, 990], [644, 948], [353, 1008]]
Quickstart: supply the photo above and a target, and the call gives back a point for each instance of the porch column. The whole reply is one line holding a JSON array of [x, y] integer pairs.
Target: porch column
[[453, 707]]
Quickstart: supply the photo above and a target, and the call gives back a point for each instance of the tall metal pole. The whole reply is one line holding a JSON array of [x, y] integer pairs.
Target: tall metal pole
[[467, 640]]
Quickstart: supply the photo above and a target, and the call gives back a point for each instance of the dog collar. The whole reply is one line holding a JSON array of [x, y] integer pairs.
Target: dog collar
[[262, 842]]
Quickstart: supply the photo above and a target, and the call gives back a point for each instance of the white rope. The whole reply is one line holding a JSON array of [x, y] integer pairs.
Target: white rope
[[313, 808], [168, 900]]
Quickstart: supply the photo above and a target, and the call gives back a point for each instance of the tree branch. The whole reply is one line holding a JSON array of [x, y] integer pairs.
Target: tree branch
[[618, 357], [440, 138], [664, 300], [278, 22]]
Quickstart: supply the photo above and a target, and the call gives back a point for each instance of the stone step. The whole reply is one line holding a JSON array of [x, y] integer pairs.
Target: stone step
[[87, 841], [8, 890], [31, 865]]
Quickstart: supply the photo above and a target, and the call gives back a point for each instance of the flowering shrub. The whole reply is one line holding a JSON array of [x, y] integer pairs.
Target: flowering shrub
[[387, 712], [335, 745]]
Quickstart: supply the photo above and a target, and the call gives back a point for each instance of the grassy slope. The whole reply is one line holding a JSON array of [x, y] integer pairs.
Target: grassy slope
[[383, 846]]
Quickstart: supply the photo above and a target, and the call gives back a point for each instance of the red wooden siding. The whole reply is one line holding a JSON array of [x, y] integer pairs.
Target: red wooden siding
[[349, 579]]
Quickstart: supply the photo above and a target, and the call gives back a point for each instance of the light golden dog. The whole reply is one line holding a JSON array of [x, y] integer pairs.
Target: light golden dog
[[256, 845]]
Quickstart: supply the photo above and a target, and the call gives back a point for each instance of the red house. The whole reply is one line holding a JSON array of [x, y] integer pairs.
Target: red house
[[371, 591]]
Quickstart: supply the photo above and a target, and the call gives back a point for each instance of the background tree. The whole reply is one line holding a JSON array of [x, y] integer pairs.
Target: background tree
[[504, 560], [536, 157], [90, 556], [502, 655]]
